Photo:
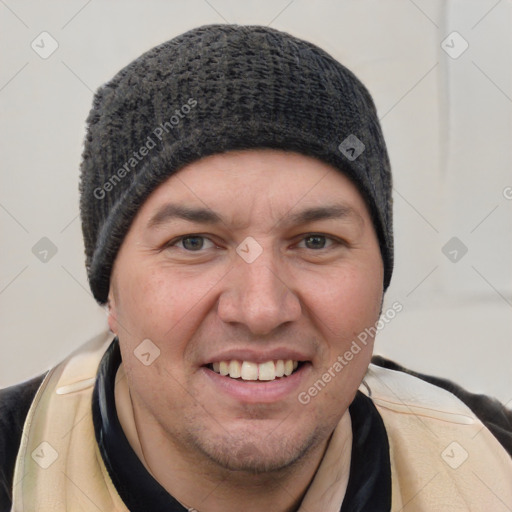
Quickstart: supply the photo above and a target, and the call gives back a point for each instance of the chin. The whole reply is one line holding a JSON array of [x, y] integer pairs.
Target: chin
[[257, 453]]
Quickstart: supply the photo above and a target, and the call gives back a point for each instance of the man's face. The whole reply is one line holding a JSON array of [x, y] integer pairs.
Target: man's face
[[247, 257]]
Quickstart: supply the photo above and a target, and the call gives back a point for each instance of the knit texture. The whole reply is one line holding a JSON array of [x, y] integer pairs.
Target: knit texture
[[214, 89]]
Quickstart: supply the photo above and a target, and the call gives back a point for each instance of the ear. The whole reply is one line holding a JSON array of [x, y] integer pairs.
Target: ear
[[112, 312]]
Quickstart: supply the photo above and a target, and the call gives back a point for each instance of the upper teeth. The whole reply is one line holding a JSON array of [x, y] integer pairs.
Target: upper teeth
[[247, 370]]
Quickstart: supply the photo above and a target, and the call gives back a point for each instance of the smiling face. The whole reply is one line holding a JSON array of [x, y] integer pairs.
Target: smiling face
[[242, 267]]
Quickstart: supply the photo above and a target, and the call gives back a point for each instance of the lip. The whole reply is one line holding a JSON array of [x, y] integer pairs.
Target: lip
[[258, 356], [258, 392]]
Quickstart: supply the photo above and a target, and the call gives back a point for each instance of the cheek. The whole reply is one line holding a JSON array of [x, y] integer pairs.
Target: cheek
[[347, 301], [346, 307], [164, 304]]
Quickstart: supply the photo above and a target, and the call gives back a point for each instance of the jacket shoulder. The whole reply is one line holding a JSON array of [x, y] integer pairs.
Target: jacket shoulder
[[492, 413], [15, 402]]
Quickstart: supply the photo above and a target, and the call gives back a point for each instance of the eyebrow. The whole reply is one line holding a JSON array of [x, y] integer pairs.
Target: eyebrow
[[171, 211], [334, 211]]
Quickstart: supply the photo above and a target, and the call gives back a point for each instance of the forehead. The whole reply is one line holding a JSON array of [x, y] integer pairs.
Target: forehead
[[263, 183]]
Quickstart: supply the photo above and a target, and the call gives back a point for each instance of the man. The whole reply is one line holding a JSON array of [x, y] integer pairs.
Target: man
[[236, 211]]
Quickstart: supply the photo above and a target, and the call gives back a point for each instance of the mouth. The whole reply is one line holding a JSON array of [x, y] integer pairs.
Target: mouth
[[273, 370], [247, 376]]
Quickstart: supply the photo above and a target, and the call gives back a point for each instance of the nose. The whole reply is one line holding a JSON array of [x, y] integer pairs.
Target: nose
[[257, 296]]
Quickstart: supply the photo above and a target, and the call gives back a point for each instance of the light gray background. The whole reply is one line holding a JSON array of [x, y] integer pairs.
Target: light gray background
[[448, 123]]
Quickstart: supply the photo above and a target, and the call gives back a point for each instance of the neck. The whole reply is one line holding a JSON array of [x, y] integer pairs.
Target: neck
[[202, 485]]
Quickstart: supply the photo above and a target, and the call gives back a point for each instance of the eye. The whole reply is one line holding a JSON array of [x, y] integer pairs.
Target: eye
[[193, 243], [317, 242]]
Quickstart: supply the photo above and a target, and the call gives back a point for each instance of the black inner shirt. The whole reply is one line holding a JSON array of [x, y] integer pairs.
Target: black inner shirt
[[369, 484]]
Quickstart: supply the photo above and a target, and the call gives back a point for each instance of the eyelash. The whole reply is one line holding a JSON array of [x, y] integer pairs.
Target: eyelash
[[333, 240]]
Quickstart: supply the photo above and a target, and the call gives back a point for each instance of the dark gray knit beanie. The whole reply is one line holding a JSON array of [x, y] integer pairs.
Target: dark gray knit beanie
[[213, 89]]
